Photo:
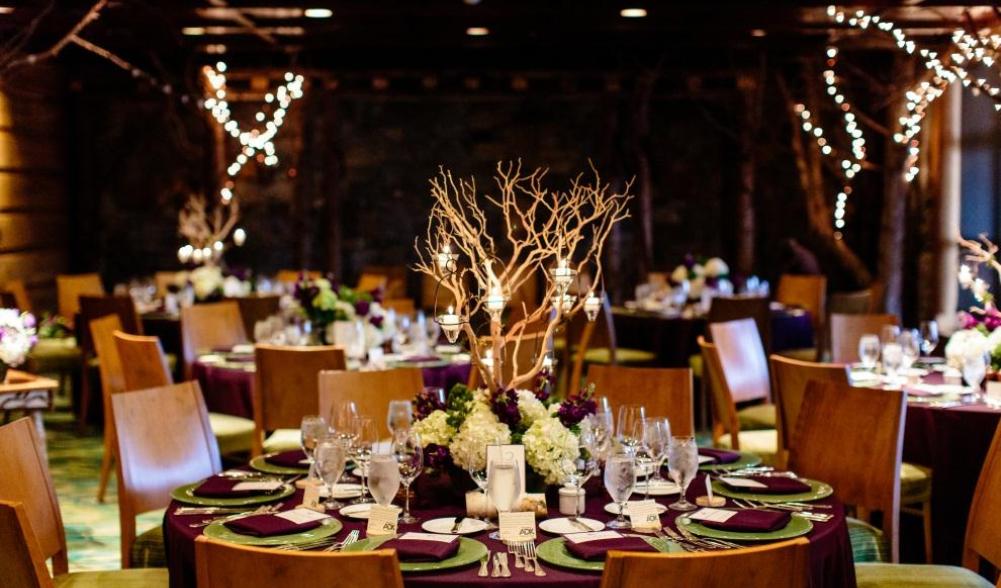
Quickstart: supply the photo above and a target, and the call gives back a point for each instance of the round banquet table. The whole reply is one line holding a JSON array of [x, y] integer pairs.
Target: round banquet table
[[830, 550], [228, 387]]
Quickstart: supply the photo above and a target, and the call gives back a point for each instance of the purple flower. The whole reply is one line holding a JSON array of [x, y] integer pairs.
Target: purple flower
[[712, 281], [29, 320], [427, 401], [575, 409], [504, 403], [362, 307], [545, 383], [992, 319], [437, 456], [968, 320], [689, 261], [376, 321]]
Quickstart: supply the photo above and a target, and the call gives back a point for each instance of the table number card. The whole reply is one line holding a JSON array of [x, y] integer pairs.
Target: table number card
[[301, 516], [311, 496], [412, 536], [517, 527], [382, 520], [512, 453], [644, 515]]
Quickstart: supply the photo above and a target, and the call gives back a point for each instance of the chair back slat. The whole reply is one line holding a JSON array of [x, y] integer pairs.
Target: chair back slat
[[808, 292], [144, 364], [724, 410], [94, 307], [19, 292], [724, 309], [664, 392], [291, 276], [370, 282], [847, 329], [164, 280], [370, 391], [257, 308], [22, 564], [222, 564], [983, 529], [852, 438], [207, 326], [70, 287], [742, 359], [785, 564], [789, 380], [26, 479]]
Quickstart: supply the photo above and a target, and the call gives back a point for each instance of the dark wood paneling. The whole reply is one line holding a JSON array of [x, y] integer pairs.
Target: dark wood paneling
[[32, 231], [30, 152], [41, 192]]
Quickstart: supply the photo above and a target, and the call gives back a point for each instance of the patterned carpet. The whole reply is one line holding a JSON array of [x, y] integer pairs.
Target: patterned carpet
[[91, 527]]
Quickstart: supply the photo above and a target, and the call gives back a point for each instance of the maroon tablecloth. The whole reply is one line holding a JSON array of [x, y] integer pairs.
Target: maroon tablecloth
[[228, 388], [830, 550]]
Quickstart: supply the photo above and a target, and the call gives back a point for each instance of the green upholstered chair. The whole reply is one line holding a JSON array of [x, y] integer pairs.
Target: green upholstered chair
[[23, 562]]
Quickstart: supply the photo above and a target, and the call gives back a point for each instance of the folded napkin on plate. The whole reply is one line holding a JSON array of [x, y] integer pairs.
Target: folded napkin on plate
[[751, 521], [268, 525], [288, 459], [594, 550], [217, 487], [719, 455], [416, 550], [772, 485]]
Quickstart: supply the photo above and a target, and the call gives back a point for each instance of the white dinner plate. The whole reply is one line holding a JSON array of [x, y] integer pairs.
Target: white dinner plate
[[563, 525], [657, 488], [612, 508], [444, 526], [356, 511]]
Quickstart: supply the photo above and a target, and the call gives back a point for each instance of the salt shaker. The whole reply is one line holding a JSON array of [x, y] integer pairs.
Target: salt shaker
[[567, 497]]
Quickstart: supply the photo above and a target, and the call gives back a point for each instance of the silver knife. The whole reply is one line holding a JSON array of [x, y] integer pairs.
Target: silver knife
[[458, 523]]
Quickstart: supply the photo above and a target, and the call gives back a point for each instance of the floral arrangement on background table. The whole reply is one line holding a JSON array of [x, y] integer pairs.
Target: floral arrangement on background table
[[980, 331], [17, 337], [711, 273], [54, 326], [326, 304]]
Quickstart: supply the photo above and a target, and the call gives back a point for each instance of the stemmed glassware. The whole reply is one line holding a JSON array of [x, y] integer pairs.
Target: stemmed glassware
[[312, 429], [361, 453], [683, 463], [893, 357], [478, 472], [384, 471], [620, 480], [399, 417], [975, 369], [868, 350], [630, 427], [603, 428], [331, 457], [580, 470], [503, 486], [910, 346], [343, 419], [410, 454], [929, 336], [657, 439], [889, 334]]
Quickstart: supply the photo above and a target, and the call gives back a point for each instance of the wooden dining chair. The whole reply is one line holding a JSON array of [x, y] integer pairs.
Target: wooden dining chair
[[102, 332], [19, 292], [847, 329], [164, 441], [164, 281], [401, 306], [287, 389], [396, 279], [257, 308], [852, 439], [221, 564], [726, 430], [145, 366], [981, 547], [785, 564], [69, 288], [594, 342], [808, 292], [22, 563], [866, 301], [94, 307], [724, 309], [205, 327], [745, 371], [370, 391], [291, 276], [662, 391], [370, 282]]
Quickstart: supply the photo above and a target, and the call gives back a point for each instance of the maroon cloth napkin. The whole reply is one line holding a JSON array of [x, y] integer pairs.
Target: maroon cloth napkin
[[416, 550], [719, 455], [595, 550], [774, 485], [288, 459], [268, 525], [218, 487], [751, 521]]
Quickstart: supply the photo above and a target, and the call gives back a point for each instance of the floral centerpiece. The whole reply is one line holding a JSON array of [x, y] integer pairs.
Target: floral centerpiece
[[54, 326], [711, 273], [324, 303], [207, 282], [17, 337], [980, 332]]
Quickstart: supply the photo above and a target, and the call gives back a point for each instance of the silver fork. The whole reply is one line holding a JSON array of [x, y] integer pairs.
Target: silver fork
[[233, 517], [522, 549], [534, 556], [351, 538], [513, 550], [682, 541]]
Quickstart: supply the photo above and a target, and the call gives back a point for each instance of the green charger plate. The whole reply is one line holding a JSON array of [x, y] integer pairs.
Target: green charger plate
[[817, 491], [797, 526], [470, 551], [186, 494], [747, 460], [555, 552], [260, 463], [220, 531]]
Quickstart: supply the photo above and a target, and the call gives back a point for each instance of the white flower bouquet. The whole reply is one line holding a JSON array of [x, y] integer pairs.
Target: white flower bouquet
[[17, 336]]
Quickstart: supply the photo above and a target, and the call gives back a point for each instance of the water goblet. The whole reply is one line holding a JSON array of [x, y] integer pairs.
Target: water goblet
[[312, 429], [975, 369], [361, 453], [683, 463], [910, 345], [331, 457], [384, 476], [410, 455], [603, 427], [630, 426], [868, 350], [400, 416], [503, 486], [657, 438], [929, 336], [893, 357], [620, 480]]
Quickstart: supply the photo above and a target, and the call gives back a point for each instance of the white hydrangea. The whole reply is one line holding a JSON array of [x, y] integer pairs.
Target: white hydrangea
[[234, 287], [994, 340], [347, 308], [434, 429], [481, 428], [550, 448], [206, 280], [17, 336], [965, 343], [716, 267], [679, 275], [530, 407]]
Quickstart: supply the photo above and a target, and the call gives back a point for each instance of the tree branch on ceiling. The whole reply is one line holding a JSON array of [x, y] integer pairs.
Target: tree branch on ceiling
[[17, 59]]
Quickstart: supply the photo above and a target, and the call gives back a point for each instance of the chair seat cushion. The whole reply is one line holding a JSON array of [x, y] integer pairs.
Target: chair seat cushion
[[756, 417], [623, 355], [232, 433], [801, 354], [695, 364], [283, 440], [147, 551], [763, 443], [881, 575], [868, 543], [915, 483], [134, 578]]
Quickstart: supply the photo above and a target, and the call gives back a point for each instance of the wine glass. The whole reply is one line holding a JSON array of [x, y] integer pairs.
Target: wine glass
[[929, 336], [384, 475], [868, 350], [893, 357], [503, 486], [910, 345], [410, 456], [312, 429], [399, 417], [630, 427], [975, 369], [361, 453], [331, 457], [620, 480], [603, 427], [657, 438], [683, 463], [478, 472], [343, 419], [889, 334]]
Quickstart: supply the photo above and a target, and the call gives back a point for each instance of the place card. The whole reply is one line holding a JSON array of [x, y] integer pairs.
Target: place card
[[742, 482], [517, 527], [269, 486], [311, 496], [592, 536], [715, 515], [301, 516], [505, 453], [382, 520], [644, 515], [413, 536]]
